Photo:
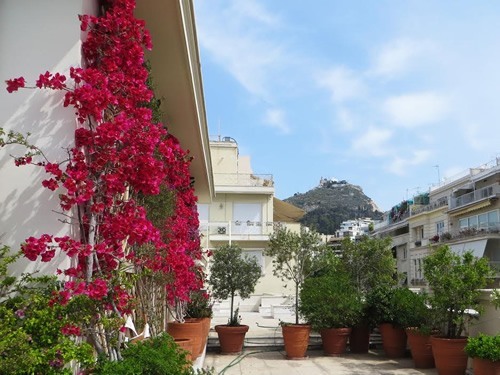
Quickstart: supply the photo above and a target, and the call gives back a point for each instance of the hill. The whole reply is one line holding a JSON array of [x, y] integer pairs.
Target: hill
[[333, 202]]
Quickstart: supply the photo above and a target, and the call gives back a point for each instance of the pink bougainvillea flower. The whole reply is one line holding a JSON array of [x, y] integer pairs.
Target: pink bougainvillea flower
[[15, 84]]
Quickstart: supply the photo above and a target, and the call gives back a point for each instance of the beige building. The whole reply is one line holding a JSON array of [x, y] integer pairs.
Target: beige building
[[462, 212], [244, 212]]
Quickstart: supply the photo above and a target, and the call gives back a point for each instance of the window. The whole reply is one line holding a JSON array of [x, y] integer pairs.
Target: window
[[484, 220], [493, 218], [473, 221], [249, 218], [463, 223], [440, 227]]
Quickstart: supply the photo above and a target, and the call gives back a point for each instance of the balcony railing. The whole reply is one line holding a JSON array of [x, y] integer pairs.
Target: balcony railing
[[415, 210], [248, 229], [244, 179], [489, 229], [477, 195]]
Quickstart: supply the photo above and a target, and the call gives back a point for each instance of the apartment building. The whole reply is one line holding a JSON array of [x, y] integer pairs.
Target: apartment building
[[462, 211], [244, 211]]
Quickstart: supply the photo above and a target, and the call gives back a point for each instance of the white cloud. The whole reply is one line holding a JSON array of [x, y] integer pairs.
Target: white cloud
[[275, 118], [398, 56], [412, 110], [372, 142], [344, 84], [474, 136], [255, 11], [345, 118], [400, 166], [237, 38]]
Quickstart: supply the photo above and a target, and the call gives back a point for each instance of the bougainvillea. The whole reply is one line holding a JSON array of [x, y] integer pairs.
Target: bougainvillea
[[118, 153]]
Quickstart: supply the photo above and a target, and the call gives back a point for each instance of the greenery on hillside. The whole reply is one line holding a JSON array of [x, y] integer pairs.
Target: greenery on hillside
[[333, 202]]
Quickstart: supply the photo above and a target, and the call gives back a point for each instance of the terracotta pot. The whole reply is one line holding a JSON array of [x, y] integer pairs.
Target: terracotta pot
[[231, 338], [485, 366], [421, 349], [359, 339], [187, 345], [335, 340], [449, 355], [393, 340], [296, 339], [205, 323], [188, 330]]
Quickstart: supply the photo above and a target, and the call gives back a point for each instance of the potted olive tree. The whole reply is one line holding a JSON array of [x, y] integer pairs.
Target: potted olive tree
[[455, 280], [370, 263], [294, 259], [332, 305], [232, 274]]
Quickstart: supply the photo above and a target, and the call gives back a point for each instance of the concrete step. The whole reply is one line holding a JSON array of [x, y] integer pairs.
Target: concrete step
[[276, 340], [264, 342]]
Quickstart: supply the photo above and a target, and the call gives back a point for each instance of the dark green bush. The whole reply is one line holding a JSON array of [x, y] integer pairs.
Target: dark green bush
[[156, 356], [31, 331], [330, 301], [399, 306], [484, 346]]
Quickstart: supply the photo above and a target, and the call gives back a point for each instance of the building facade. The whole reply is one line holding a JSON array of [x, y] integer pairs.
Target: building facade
[[244, 212]]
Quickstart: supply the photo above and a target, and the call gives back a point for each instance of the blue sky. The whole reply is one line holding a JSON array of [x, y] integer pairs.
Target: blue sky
[[377, 93]]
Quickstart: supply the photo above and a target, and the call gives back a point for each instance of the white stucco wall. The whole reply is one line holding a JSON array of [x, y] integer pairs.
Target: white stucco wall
[[35, 36]]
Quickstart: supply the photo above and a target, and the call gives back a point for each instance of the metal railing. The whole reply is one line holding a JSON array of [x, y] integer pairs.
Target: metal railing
[[477, 195], [248, 228], [243, 179], [429, 207]]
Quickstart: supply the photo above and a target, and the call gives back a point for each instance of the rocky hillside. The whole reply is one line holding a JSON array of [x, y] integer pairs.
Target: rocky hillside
[[333, 202]]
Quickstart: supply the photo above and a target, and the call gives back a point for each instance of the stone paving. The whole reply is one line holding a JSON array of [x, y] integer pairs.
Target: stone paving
[[273, 362], [255, 360]]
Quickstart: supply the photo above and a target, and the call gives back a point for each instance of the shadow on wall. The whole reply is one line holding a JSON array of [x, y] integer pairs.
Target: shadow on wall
[[26, 207]]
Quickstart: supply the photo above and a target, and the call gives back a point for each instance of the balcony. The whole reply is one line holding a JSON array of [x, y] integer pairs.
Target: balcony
[[237, 230], [475, 196], [442, 202], [243, 183]]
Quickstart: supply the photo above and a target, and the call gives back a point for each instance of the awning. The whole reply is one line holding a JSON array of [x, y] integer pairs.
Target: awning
[[477, 247], [286, 212]]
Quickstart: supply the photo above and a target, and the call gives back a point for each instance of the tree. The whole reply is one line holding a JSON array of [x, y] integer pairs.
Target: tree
[[369, 262], [455, 281], [294, 257], [233, 274]]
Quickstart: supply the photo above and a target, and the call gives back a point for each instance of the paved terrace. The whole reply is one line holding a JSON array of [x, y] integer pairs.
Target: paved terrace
[[263, 355]]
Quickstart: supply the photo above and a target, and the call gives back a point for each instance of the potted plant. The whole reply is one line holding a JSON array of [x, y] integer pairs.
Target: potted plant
[[393, 309], [199, 308], [182, 329], [294, 257], [455, 280], [332, 305], [232, 274], [485, 349], [419, 327], [485, 352], [370, 263]]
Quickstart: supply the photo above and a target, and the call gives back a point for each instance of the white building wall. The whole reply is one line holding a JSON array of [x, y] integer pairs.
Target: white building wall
[[35, 36]]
